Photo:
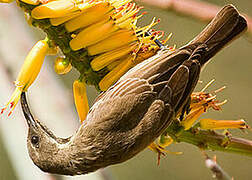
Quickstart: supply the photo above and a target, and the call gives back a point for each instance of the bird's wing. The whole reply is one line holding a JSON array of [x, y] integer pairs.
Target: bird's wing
[[120, 103]]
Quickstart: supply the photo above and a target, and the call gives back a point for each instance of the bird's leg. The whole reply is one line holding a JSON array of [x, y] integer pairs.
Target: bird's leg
[[159, 146]]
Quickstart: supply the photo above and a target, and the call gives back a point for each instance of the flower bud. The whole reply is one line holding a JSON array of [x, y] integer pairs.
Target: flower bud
[[80, 99], [62, 65]]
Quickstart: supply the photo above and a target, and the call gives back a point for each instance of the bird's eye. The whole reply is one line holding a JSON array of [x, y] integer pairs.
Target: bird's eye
[[35, 140]]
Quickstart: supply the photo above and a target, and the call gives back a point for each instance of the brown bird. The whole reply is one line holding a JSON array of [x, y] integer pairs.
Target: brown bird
[[130, 115]]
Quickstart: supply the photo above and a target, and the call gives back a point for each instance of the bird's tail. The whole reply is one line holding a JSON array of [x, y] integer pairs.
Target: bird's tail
[[227, 25]]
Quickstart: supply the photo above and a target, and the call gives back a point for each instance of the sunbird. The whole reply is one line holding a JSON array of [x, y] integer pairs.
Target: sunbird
[[137, 109]]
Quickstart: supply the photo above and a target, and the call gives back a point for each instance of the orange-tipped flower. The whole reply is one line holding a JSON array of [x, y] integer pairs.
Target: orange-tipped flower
[[222, 124], [28, 72], [80, 99]]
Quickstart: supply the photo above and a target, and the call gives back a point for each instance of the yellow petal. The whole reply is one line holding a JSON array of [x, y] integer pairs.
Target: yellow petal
[[116, 73], [32, 65], [112, 65], [54, 9], [80, 99], [192, 117], [62, 65], [116, 40], [6, 1], [105, 59], [61, 20], [90, 16], [222, 124], [32, 2], [93, 34]]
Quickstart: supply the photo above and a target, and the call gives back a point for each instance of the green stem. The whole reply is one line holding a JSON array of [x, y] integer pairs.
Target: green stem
[[210, 140]]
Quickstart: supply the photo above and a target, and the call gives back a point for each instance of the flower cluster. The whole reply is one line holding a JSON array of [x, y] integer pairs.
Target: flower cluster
[[100, 38]]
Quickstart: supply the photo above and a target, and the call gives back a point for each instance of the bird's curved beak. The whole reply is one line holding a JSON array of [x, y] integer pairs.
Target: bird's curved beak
[[27, 113]]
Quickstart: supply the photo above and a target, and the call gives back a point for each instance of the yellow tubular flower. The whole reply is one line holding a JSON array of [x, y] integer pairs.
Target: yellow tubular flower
[[28, 72], [6, 1], [62, 65], [54, 9], [118, 39], [105, 59], [192, 117], [222, 124], [61, 20], [113, 65], [80, 99], [32, 2], [116, 73], [90, 16], [93, 34]]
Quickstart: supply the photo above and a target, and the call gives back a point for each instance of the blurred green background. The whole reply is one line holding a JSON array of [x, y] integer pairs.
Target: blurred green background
[[232, 68]]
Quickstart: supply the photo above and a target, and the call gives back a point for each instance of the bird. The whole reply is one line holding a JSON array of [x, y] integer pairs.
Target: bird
[[137, 109]]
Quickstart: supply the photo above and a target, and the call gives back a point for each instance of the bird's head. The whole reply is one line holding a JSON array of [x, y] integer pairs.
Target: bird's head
[[42, 144]]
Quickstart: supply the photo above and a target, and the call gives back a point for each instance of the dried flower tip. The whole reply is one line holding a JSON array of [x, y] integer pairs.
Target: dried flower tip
[[62, 65], [80, 99], [222, 124]]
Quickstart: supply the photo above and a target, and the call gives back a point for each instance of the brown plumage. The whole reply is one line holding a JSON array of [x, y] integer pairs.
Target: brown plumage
[[129, 116]]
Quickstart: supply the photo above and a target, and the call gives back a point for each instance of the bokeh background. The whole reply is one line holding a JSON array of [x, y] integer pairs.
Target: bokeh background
[[51, 100]]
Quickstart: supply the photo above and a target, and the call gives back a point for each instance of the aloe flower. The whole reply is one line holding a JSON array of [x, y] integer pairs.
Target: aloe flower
[[28, 72]]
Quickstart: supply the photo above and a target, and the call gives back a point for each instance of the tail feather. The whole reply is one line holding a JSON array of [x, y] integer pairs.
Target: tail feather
[[227, 25]]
